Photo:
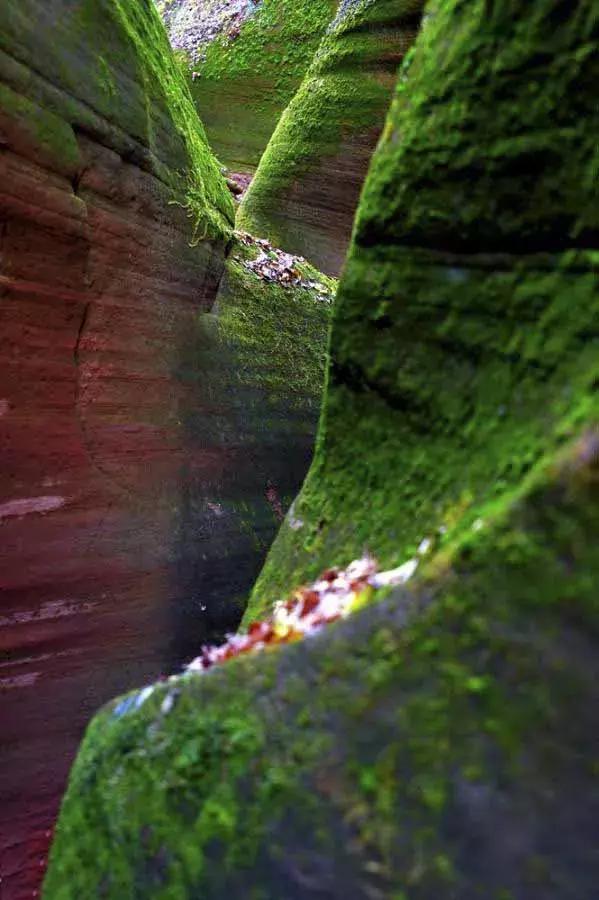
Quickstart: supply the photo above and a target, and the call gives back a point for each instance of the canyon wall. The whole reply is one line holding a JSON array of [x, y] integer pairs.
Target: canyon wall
[[98, 285], [245, 61], [463, 341], [307, 186], [131, 528], [255, 365], [443, 741]]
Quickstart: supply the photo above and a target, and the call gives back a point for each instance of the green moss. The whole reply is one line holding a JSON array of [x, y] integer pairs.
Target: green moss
[[303, 763], [259, 356], [109, 72], [106, 78], [28, 128], [205, 195], [253, 77], [276, 28], [279, 333], [463, 343], [337, 111]]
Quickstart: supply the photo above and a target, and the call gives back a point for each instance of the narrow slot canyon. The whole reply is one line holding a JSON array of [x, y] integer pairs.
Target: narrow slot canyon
[[299, 443]]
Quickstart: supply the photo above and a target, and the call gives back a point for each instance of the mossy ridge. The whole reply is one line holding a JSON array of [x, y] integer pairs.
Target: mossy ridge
[[125, 89], [344, 94], [280, 331], [357, 757], [464, 338], [205, 195], [263, 66]]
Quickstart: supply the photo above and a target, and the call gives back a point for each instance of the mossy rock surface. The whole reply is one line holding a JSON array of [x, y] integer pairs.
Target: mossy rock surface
[[306, 189], [104, 68], [464, 338], [255, 364], [440, 743], [242, 83], [278, 330], [443, 741]]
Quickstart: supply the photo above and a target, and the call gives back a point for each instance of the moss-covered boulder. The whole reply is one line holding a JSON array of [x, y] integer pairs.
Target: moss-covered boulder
[[464, 335], [306, 190], [441, 742], [245, 61]]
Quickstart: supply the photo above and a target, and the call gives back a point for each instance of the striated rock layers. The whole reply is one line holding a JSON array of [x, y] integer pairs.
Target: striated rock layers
[[306, 189], [130, 528], [98, 285], [442, 742], [245, 61]]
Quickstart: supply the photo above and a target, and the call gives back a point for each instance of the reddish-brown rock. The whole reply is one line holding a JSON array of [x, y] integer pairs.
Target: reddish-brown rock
[[150, 437], [99, 288]]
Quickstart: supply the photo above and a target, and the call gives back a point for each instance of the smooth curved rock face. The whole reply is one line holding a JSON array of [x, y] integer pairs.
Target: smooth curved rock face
[[442, 742], [98, 289], [306, 190], [463, 347], [246, 60]]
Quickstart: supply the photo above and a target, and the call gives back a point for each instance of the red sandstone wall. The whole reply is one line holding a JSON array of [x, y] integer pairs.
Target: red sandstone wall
[[98, 290]]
